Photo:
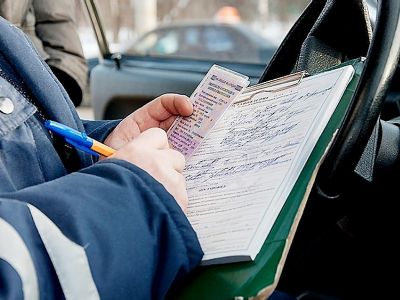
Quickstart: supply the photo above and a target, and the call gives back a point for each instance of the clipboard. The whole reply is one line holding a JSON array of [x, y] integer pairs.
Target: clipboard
[[257, 279], [273, 86]]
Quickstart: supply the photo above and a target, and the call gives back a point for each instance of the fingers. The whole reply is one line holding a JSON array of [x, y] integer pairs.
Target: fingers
[[157, 138], [150, 151], [169, 105], [161, 112], [176, 159], [153, 138], [178, 191]]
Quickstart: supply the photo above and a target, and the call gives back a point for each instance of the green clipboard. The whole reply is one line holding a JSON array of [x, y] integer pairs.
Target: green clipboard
[[257, 279]]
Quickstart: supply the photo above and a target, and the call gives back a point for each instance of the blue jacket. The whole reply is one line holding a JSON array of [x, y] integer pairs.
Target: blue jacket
[[108, 230]]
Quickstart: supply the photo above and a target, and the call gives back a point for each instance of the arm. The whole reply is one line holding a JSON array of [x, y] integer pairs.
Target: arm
[[56, 28], [14, 11], [137, 241]]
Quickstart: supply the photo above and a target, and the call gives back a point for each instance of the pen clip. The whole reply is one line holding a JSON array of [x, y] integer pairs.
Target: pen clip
[[81, 147]]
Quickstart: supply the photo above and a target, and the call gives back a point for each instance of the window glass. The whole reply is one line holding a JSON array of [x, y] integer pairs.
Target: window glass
[[144, 45], [218, 40], [232, 30], [85, 30], [167, 44], [192, 36]]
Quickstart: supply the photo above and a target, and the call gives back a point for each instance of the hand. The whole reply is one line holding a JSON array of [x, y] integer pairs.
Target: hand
[[159, 113], [150, 151]]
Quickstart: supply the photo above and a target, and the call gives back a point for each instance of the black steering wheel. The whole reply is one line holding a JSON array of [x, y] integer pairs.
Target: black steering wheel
[[341, 29], [333, 243]]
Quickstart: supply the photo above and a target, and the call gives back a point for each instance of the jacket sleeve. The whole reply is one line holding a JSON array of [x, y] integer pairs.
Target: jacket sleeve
[[99, 130], [14, 11], [108, 231]]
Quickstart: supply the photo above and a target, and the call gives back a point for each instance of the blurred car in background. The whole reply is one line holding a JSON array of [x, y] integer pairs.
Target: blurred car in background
[[168, 47], [222, 41], [172, 59]]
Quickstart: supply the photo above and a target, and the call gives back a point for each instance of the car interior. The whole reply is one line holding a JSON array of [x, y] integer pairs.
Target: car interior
[[343, 247]]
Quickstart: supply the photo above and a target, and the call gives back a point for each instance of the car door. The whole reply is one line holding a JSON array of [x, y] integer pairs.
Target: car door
[[124, 81]]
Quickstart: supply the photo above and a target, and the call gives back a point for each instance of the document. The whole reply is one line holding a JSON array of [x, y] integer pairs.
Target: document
[[214, 95], [240, 175]]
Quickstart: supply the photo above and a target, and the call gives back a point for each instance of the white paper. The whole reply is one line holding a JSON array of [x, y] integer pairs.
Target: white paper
[[239, 178]]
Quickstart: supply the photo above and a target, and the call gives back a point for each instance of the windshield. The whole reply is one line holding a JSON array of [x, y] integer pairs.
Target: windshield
[[219, 30]]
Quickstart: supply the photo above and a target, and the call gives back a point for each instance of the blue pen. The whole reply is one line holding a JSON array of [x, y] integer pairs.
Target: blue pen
[[79, 140]]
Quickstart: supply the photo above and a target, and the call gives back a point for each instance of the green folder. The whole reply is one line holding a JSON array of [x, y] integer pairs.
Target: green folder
[[258, 278]]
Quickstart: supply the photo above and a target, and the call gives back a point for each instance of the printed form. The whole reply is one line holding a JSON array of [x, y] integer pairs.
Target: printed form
[[214, 95], [240, 176]]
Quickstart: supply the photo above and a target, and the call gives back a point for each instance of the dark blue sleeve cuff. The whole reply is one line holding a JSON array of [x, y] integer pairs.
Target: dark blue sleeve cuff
[[99, 130]]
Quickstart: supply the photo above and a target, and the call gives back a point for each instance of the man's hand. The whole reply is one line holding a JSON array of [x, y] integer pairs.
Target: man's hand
[[150, 151], [159, 113]]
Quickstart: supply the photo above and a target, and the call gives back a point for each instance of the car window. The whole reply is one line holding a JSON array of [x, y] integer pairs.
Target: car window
[[218, 39], [144, 45], [217, 30], [166, 44], [191, 36], [191, 43]]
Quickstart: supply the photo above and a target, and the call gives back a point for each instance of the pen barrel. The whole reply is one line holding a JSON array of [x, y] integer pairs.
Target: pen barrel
[[102, 149]]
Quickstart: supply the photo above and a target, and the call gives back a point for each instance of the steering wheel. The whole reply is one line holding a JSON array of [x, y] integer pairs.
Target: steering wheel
[[382, 58]]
